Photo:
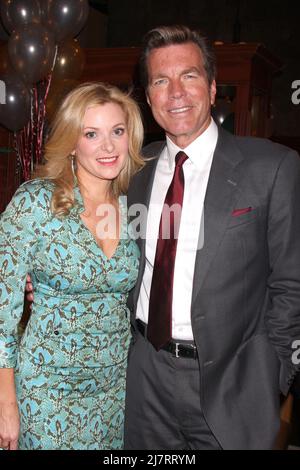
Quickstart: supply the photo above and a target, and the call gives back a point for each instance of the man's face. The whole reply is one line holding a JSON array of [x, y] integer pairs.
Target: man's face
[[178, 92]]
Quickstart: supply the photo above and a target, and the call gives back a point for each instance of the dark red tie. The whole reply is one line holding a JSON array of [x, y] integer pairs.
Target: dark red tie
[[159, 330]]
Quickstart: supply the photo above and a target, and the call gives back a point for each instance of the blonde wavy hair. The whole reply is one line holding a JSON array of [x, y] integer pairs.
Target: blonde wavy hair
[[65, 131]]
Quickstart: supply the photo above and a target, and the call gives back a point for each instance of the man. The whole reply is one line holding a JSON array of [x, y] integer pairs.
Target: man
[[216, 312]]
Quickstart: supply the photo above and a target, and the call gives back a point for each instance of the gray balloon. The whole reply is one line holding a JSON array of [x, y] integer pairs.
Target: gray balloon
[[65, 18], [6, 67], [19, 12], [31, 49], [15, 113]]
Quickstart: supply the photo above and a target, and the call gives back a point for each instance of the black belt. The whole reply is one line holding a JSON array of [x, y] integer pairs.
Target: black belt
[[174, 347]]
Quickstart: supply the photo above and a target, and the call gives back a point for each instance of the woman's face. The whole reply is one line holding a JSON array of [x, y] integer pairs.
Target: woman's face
[[102, 148]]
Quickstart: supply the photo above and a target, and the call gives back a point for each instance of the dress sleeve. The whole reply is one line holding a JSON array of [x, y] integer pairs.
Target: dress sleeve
[[20, 231]]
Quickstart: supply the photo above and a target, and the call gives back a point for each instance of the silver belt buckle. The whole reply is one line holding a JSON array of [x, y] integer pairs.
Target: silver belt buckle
[[177, 350]]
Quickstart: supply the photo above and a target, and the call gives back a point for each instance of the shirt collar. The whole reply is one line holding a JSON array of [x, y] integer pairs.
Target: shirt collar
[[203, 146]]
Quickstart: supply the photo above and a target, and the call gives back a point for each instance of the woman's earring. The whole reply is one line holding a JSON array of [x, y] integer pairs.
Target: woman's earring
[[73, 164]]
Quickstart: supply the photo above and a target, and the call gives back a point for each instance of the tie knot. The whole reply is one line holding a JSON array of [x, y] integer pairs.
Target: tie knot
[[180, 158]]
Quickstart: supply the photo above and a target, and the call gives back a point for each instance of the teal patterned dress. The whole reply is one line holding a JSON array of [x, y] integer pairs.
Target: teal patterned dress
[[70, 363]]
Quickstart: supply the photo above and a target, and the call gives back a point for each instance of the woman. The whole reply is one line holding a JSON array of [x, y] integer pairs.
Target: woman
[[62, 383]]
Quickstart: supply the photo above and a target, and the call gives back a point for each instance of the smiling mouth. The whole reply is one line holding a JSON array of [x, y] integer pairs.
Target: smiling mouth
[[183, 109], [107, 160]]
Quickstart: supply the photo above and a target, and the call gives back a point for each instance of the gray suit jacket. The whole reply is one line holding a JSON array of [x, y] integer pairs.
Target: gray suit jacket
[[245, 309]]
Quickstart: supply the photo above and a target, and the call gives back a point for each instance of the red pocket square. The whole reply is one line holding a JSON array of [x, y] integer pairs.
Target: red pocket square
[[238, 212]]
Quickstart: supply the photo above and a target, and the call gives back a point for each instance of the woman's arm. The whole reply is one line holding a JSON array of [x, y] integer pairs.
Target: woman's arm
[[20, 227], [9, 413]]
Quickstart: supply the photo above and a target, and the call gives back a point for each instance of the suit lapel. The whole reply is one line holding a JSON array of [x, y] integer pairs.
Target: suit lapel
[[219, 202]]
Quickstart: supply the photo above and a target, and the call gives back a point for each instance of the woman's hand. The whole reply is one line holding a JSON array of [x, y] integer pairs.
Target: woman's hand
[[9, 425]]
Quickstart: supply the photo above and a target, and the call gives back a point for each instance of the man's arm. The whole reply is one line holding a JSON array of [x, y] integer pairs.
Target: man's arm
[[283, 315]]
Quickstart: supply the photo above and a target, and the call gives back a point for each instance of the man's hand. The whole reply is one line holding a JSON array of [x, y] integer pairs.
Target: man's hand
[[29, 289]]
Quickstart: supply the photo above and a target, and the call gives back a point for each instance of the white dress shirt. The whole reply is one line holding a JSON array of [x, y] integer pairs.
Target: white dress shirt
[[196, 173]]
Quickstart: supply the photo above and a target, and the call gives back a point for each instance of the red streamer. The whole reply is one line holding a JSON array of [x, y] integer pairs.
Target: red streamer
[[28, 142]]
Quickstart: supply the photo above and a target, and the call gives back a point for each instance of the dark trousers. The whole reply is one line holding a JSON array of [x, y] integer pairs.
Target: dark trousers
[[163, 409]]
